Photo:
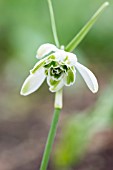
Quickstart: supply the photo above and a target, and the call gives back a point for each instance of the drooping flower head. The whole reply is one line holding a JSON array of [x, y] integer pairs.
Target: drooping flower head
[[59, 68]]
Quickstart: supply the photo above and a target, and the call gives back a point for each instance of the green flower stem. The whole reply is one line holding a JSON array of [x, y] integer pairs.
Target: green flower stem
[[52, 132], [58, 103], [79, 37], [53, 23], [50, 139]]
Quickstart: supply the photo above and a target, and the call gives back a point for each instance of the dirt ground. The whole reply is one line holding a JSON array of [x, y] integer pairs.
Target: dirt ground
[[23, 136]]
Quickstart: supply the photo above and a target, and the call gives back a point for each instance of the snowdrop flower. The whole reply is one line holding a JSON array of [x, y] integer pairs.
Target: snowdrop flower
[[59, 68]]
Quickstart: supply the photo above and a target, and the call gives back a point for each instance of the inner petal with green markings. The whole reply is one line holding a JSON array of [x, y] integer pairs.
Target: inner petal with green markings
[[59, 74]]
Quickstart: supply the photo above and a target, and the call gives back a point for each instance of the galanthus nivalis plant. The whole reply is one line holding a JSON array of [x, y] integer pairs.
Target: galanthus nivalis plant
[[58, 65]]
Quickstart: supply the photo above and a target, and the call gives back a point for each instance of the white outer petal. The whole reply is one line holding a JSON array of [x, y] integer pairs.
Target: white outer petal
[[33, 82], [72, 59], [45, 49], [39, 64], [88, 77]]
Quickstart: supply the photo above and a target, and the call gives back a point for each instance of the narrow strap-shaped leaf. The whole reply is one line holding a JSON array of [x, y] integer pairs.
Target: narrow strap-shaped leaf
[[79, 37]]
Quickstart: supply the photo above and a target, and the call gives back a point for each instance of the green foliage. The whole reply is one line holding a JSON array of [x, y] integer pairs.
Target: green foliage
[[80, 129], [73, 142], [27, 25]]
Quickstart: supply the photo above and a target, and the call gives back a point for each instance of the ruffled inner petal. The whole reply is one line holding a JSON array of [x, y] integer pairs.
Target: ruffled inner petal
[[54, 85], [70, 76]]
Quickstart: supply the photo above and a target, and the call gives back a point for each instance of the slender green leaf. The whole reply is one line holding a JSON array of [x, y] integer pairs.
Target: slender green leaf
[[79, 37]]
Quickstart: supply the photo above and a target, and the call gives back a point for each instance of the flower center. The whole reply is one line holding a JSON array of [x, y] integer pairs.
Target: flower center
[[55, 69]]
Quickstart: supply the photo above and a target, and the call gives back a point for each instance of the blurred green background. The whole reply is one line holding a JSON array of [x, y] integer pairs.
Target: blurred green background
[[87, 118]]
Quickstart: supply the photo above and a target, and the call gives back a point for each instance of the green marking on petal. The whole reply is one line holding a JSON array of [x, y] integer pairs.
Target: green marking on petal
[[26, 88], [56, 85], [66, 59], [52, 82], [54, 64], [70, 77], [41, 63], [58, 76], [46, 72], [51, 64], [52, 57], [37, 66], [64, 67]]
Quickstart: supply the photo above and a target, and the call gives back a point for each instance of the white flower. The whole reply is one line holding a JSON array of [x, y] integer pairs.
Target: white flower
[[59, 67]]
